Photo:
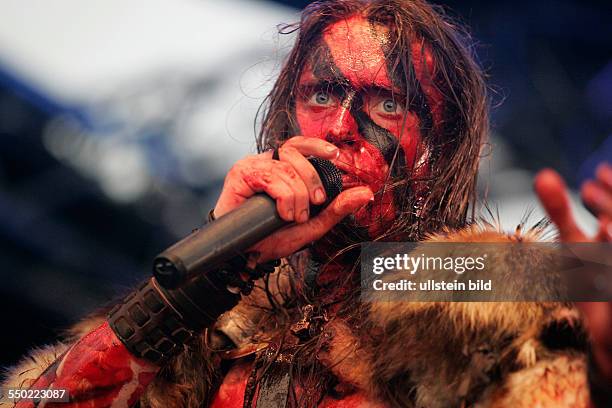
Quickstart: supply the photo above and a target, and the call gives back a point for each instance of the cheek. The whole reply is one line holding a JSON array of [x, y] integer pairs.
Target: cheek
[[407, 131], [312, 122]]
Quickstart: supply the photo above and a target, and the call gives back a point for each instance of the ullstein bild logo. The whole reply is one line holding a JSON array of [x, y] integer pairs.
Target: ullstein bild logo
[[432, 285], [448, 272]]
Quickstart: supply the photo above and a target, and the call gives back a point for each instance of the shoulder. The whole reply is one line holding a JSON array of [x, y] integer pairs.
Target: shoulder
[[28, 369]]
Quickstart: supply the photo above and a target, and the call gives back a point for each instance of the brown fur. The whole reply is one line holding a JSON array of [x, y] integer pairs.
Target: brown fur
[[558, 382], [403, 354], [448, 354]]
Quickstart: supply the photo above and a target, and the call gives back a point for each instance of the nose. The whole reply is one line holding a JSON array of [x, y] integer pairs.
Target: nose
[[342, 126]]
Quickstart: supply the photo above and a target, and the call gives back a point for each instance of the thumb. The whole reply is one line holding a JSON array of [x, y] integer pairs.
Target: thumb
[[291, 239], [346, 203]]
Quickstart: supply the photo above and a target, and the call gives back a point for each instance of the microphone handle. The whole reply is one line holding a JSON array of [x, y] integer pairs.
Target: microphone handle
[[214, 243]]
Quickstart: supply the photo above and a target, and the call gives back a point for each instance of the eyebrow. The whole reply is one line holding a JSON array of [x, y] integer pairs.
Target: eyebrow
[[386, 90]]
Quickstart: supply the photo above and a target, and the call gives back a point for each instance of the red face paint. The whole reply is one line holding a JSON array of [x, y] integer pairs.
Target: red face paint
[[347, 97]]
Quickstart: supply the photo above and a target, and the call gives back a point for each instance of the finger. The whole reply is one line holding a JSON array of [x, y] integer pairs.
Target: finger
[[598, 316], [235, 191], [306, 171], [272, 183], [552, 192], [293, 238], [313, 146], [346, 203], [604, 176], [604, 234], [597, 198], [301, 200]]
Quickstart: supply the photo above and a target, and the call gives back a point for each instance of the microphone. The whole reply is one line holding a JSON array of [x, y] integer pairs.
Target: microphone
[[206, 248]]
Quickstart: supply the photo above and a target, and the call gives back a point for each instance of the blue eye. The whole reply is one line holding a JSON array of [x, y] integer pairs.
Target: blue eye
[[389, 106], [321, 98]]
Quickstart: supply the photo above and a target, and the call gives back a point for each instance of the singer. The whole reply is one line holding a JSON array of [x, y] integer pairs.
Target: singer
[[390, 93]]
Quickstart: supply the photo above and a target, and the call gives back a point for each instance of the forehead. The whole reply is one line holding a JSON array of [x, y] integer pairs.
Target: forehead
[[356, 49]]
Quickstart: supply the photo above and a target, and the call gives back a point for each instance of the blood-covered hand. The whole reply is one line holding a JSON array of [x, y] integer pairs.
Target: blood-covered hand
[[597, 196], [294, 183]]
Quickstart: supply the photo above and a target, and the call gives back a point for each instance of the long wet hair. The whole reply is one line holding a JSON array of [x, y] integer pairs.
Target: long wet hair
[[452, 131], [446, 195]]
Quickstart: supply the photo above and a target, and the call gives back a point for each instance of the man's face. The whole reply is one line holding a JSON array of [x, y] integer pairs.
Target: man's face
[[348, 97]]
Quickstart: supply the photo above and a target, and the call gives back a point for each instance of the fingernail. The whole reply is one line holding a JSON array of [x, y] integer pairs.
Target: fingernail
[[331, 149], [337, 154], [290, 214], [319, 195], [304, 216]]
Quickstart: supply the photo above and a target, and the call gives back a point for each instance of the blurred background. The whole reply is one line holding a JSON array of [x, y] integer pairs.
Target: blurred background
[[118, 121]]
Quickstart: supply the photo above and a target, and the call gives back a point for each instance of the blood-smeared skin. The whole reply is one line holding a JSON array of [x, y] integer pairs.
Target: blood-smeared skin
[[231, 392], [355, 47], [423, 63], [98, 371]]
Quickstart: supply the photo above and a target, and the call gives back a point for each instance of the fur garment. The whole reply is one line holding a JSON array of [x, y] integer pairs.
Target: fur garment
[[428, 354]]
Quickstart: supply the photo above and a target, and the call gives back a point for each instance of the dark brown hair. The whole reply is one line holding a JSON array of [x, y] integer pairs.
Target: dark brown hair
[[454, 141]]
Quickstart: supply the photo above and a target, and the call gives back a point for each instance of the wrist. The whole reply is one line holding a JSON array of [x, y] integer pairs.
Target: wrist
[[155, 323]]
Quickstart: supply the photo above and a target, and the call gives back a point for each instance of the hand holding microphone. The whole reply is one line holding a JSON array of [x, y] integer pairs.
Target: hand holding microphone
[[265, 206], [293, 184]]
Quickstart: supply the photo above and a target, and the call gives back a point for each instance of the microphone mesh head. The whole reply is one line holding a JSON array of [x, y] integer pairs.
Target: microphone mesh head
[[330, 177]]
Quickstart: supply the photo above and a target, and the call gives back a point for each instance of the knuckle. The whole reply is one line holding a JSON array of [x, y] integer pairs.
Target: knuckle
[[317, 224], [283, 165], [284, 196], [313, 175], [303, 194], [287, 151], [241, 164], [234, 173], [287, 168], [295, 139]]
